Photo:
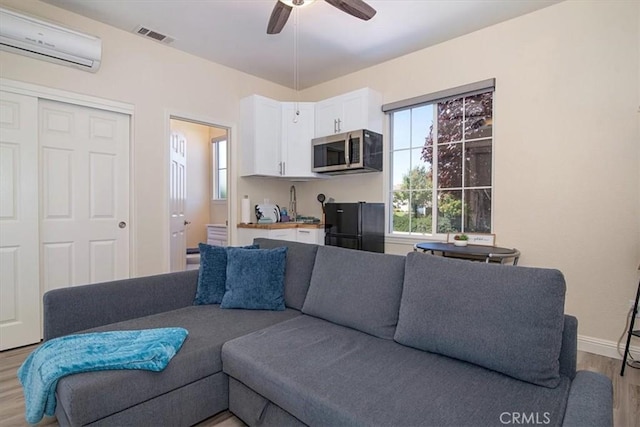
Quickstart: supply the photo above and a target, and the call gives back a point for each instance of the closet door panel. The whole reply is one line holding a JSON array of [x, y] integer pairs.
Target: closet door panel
[[85, 195], [57, 264], [57, 178], [19, 255]]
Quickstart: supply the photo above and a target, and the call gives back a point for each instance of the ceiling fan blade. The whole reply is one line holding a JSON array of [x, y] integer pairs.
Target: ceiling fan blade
[[357, 8], [278, 18]]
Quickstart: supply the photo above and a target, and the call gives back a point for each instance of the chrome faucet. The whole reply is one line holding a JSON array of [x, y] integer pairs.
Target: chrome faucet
[[293, 209]]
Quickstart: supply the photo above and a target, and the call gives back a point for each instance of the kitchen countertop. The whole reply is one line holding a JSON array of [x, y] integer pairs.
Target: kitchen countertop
[[279, 225]]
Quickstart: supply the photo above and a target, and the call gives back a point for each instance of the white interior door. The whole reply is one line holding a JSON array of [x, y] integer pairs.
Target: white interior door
[[19, 280], [177, 202], [84, 188]]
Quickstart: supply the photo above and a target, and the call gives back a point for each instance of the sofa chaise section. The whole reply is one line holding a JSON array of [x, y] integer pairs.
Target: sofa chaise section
[[192, 387], [193, 381]]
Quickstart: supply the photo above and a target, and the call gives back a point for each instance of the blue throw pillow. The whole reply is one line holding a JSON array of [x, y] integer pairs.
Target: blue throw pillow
[[255, 279], [212, 278]]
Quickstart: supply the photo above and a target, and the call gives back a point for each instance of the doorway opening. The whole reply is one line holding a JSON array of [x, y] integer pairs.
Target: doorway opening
[[198, 189]]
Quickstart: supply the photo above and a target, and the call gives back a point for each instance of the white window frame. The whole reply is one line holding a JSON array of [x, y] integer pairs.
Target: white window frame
[[215, 160], [434, 98]]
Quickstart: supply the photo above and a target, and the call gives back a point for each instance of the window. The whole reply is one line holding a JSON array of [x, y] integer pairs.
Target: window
[[220, 169], [441, 164]]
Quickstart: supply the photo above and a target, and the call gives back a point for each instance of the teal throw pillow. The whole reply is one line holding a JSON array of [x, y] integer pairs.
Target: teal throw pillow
[[255, 279], [213, 274]]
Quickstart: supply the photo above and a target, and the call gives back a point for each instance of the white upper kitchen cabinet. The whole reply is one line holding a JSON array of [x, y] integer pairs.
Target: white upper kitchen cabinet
[[297, 133], [260, 136], [360, 109], [274, 140]]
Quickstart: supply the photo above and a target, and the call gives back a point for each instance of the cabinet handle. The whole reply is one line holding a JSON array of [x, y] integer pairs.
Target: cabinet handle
[[304, 231], [280, 167], [284, 168], [339, 125]]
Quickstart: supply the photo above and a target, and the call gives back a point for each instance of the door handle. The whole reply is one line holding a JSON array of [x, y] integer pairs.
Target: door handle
[[187, 222], [122, 224]]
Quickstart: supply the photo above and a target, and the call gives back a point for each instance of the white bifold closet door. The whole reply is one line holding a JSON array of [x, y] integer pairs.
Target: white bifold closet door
[[81, 178], [19, 240], [84, 182]]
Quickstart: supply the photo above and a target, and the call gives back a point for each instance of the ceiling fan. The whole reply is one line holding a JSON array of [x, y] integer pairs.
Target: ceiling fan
[[282, 9]]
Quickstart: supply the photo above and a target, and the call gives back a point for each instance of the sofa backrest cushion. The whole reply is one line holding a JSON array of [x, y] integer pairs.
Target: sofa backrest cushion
[[508, 319], [357, 289], [300, 260]]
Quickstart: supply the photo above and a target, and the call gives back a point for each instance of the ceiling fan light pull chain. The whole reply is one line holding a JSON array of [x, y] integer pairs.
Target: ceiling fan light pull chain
[[295, 64]]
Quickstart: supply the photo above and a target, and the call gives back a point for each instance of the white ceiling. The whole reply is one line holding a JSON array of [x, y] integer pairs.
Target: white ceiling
[[331, 43]]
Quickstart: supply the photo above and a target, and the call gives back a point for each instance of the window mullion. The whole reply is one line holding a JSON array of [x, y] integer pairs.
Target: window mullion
[[434, 173], [463, 168]]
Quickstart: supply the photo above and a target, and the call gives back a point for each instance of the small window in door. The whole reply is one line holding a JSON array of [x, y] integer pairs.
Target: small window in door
[[219, 169]]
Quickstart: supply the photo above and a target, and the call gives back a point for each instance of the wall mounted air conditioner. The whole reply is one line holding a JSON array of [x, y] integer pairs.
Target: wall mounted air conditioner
[[43, 40]]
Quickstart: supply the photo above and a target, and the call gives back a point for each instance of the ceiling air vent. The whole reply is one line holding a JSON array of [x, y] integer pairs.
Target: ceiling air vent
[[146, 32]]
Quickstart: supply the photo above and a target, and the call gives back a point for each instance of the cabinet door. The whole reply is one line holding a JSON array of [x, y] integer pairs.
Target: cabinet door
[[246, 235], [310, 235], [327, 114], [297, 133], [283, 234], [360, 109], [260, 140], [354, 111]]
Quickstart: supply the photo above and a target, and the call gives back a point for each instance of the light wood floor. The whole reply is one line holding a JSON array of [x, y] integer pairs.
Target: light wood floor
[[626, 392]]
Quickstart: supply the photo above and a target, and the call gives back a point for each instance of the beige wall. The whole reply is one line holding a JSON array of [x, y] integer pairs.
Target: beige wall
[[158, 81], [567, 142]]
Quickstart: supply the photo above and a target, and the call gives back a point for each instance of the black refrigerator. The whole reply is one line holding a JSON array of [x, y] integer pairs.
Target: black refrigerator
[[355, 226]]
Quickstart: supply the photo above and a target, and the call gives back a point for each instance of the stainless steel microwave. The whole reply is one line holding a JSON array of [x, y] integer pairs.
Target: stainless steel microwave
[[349, 152]]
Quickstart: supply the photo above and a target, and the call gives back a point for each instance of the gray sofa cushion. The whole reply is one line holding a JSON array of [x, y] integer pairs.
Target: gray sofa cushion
[[357, 289], [300, 260], [590, 401], [209, 327], [72, 309], [326, 374], [509, 319]]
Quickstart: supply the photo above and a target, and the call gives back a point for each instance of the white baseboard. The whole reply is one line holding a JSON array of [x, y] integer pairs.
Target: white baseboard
[[605, 347]]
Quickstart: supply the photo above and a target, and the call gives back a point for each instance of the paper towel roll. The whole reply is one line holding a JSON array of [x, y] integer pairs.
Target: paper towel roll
[[245, 211]]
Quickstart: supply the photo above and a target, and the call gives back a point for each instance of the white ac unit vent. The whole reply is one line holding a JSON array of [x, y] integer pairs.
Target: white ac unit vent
[[144, 31], [29, 36]]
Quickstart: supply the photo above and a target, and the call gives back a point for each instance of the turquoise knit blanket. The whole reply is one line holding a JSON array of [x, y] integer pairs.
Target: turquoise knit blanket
[[149, 349]]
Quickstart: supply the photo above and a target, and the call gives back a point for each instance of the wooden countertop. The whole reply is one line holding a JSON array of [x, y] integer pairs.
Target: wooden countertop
[[279, 225]]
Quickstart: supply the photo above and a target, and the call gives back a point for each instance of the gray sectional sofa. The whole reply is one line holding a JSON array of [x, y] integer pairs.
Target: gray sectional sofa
[[366, 339]]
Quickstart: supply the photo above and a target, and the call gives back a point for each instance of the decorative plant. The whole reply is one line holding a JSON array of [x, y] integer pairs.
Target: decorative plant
[[461, 237]]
